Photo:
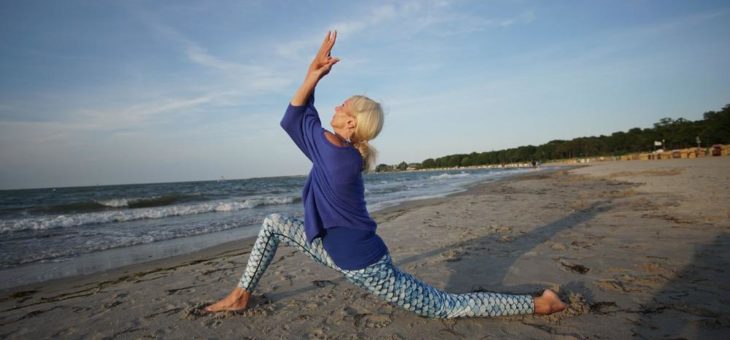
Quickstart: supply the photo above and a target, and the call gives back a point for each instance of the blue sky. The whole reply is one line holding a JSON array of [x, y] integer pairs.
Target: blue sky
[[107, 92]]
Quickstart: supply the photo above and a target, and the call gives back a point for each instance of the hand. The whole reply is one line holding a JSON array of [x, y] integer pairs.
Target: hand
[[323, 61], [321, 65]]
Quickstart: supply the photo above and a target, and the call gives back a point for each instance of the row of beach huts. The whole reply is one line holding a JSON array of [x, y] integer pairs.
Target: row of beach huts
[[716, 150]]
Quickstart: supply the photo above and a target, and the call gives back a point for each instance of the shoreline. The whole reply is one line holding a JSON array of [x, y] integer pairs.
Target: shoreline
[[232, 247]]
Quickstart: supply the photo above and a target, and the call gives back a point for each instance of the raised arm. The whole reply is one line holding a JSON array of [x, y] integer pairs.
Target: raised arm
[[320, 67]]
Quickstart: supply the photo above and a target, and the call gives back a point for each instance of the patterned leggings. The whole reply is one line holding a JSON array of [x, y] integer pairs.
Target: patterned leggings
[[382, 278]]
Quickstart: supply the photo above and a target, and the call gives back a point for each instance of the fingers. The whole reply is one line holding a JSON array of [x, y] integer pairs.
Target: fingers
[[327, 38], [323, 61], [328, 43], [333, 39], [324, 49], [328, 64], [330, 61]]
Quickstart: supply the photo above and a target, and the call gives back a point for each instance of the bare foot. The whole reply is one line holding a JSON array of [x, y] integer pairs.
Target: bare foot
[[235, 301], [548, 303]]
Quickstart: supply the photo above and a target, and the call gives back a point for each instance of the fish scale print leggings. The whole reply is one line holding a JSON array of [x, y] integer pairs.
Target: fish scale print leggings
[[382, 278]]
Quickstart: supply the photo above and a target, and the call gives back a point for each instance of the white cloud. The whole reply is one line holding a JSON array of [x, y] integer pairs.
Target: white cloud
[[375, 16], [137, 114], [228, 78], [398, 21], [38, 133], [120, 107]]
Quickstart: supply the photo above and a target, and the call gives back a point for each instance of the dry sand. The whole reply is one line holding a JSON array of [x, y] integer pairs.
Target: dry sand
[[638, 248]]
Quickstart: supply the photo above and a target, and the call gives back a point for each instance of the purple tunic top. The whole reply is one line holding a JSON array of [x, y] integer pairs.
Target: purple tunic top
[[334, 193]]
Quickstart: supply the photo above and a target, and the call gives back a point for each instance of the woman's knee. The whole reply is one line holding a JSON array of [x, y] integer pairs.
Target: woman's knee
[[272, 219]]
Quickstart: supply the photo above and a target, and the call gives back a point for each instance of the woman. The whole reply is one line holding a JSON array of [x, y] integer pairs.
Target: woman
[[337, 230]]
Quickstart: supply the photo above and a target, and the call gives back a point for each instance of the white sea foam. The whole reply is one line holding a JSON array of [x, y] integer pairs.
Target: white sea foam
[[115, 202], [447, 175], [106, 241], [74, 220]]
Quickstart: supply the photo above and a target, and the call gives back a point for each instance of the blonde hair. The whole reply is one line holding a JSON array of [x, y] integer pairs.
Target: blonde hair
[[370, 117]]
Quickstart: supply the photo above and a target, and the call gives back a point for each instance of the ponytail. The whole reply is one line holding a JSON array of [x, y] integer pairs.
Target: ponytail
[[369, 115], [368, 154]]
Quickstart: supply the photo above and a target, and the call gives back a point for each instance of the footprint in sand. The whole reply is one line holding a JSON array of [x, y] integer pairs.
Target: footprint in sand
[[610, 286], [193, 311], [574, 267], [317, 333], [582, 244], [169, 309], [378, 321], [505, 239], [603, 307], [558, 246], [78, 309], [110, 305], [373, 320], [66, 332], [288, 277], [323, 283], [311, 306], [117, 299], [502, 230], [212, 323], [454, 255], [655, 268]]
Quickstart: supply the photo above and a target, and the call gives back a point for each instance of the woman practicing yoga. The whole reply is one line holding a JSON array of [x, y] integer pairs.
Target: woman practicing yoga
[[337, 230]]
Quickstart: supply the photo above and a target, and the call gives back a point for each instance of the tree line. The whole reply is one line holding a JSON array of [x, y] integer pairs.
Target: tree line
[[713, 128]]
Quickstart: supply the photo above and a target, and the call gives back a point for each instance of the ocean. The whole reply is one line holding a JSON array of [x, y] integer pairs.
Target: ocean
[[57, 232]]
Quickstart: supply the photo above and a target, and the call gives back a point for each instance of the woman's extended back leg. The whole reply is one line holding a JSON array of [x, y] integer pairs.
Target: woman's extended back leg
[[391, 284]]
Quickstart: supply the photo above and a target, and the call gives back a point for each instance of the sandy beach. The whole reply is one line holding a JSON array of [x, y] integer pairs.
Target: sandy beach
[[639, 249]]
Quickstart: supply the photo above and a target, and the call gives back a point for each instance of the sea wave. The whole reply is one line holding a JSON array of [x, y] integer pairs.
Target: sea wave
[[104, 242], [143, 202], [448, 175], [114, 203], [100, 217]]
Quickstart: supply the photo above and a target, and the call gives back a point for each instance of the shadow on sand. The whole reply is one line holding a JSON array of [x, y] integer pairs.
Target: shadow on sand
[[694, 304], [498, 269], [507, 253]]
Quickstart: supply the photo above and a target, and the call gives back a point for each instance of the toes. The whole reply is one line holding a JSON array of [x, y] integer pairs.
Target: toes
[[213, 307]]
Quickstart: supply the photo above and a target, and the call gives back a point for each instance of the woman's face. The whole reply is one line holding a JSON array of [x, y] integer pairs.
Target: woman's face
[[342, 117]]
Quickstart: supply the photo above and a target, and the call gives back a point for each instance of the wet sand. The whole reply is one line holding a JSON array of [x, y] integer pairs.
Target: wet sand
[[639, 249]]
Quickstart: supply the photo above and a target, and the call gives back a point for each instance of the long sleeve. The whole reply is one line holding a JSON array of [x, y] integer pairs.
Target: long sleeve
[[303, 125]]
